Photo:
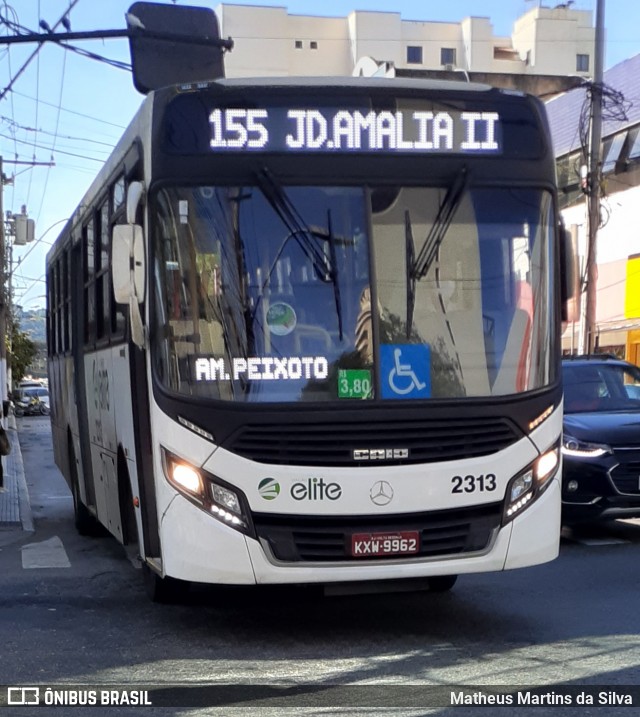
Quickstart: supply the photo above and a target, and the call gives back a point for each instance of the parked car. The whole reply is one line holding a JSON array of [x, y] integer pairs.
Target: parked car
[[601, 439], [31, 401]]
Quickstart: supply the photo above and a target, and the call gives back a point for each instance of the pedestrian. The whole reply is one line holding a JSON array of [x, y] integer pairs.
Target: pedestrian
[[5, 449]]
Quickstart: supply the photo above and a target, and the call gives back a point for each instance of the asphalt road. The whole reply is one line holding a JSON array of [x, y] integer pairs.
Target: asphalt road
[[73, 611]]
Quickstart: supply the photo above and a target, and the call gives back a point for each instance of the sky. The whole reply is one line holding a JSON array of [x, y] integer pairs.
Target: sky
[[64, 112]]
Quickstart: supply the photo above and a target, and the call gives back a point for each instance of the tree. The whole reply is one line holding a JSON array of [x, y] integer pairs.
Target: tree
[[21, 351]]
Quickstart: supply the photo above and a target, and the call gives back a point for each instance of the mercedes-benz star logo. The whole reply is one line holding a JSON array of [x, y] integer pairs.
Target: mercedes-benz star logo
[[381, 493]]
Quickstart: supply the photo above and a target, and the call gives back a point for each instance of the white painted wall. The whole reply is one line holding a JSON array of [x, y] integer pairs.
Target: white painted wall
[[478, 42], [553, 37], [618, 239], [265, 41]]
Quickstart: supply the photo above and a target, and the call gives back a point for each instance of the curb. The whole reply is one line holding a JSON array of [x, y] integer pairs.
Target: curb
[[26, 516]]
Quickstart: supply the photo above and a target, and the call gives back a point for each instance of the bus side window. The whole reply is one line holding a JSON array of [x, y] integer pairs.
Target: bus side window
[[115, 311], [88, 247], [102, 272]]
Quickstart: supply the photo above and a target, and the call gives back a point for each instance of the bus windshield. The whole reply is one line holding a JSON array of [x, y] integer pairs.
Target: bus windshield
[[270, 293]]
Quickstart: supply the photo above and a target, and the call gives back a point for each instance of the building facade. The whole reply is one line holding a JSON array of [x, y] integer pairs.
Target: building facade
[[268, 41], [618, 239], [550, 51]]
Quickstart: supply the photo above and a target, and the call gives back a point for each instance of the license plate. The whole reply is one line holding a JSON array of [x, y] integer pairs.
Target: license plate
[[367, 545]]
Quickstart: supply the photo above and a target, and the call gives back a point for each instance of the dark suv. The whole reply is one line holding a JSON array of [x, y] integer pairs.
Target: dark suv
[[601, 441]]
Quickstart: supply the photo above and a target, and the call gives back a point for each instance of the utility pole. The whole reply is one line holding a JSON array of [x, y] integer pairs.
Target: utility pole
[[593, 184], [3, 297], [5, 290]]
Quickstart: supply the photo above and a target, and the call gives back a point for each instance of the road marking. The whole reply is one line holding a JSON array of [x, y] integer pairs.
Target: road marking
[[604, 541], [596, 542], [47, 554]]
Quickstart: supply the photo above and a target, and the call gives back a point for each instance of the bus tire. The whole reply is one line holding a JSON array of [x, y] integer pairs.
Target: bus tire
[[160, 590], [127, 510], [442, 583], [165, 590], [85, 523]]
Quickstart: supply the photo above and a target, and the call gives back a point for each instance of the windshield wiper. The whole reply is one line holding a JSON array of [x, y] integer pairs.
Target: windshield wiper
[[334, 272], [446, 212], [409, 258], [298, 229], [308, 238]]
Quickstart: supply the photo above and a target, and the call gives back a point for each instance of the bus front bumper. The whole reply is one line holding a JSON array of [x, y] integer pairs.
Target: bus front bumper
[[198, 548]]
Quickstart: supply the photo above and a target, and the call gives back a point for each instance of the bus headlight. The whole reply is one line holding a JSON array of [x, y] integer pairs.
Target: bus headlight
[[528, 485], [220, 500], [187, 478], [226, 506]]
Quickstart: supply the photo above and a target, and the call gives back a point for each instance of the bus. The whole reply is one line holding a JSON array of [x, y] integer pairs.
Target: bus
[[306, 331]]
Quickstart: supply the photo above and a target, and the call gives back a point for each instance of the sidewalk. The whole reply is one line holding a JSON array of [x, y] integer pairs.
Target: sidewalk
[[15, 510]]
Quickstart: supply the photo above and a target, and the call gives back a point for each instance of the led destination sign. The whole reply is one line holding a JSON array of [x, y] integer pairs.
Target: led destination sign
[[262, 368], [281, 129]]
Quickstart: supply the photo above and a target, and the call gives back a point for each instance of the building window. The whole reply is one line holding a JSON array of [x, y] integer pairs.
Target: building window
[[611, 151], [447, 56], [313, 45], [582, 63], [298, 44], [634, 150], [414, 55]]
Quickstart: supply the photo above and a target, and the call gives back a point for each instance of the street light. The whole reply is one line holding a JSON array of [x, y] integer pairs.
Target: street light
[[22, 258]]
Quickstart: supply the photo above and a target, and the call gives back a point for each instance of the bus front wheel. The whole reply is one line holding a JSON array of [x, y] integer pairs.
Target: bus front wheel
[[157, 588], [163, 590]]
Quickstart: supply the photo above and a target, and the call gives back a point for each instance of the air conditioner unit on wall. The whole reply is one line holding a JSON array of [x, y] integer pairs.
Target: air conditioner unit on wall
[[449, 66]]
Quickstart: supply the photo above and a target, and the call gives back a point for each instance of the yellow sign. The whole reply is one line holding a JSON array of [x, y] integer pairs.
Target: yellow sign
[[632, 290]]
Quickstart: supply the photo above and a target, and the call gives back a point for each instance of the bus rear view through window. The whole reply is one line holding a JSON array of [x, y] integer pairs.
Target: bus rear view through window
[[342, 335]]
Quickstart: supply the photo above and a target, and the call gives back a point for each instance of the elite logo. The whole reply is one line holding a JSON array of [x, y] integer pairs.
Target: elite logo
[[310, 489], [269, 488], [315, 489]]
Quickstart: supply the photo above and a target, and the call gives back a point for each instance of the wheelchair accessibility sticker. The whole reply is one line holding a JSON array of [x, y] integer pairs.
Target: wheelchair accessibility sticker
[[405, 370]]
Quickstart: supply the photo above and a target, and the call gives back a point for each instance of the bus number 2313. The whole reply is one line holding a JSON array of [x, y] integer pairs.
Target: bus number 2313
[[471, 484]]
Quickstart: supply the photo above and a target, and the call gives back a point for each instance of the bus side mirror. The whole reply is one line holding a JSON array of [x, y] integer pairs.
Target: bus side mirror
[[135, 193], [128, 270]]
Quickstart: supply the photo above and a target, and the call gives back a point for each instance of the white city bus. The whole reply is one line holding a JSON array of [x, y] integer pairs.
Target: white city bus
[[307, 331]]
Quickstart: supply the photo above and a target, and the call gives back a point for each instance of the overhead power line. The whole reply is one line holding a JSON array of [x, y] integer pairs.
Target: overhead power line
[[42, 37], [39, 130], [27, 62], [26, 35], [73, 112], [52, 149], [93, 56]]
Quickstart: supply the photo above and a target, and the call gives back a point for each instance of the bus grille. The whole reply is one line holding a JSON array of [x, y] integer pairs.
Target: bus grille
[[320, 539], [322, 444]]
